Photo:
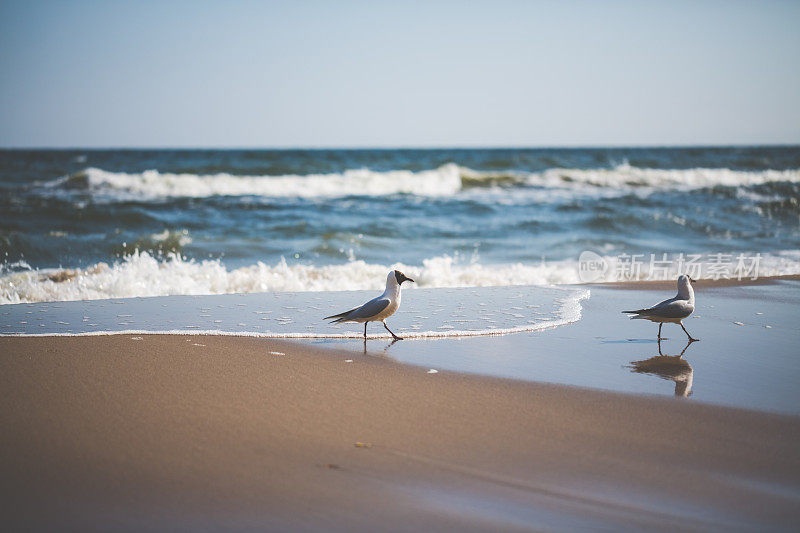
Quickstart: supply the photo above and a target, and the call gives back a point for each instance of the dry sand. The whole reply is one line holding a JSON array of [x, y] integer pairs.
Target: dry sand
[[205, 433]]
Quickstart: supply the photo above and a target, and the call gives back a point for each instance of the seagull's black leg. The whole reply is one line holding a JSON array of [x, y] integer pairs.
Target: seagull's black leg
[[390, 331], [691, 339], [365, 330], [659, 330]]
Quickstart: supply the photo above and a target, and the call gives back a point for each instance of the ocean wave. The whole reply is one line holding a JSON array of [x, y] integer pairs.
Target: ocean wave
[[443, 181], [628, 177], [446, 180], [142, 274]]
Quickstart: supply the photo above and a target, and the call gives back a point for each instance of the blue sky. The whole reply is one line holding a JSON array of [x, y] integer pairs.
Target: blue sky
[[389, 74]]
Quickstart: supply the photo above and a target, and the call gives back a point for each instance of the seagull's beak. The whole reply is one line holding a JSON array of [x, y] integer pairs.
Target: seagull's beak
[[402, 277], [691, 280]]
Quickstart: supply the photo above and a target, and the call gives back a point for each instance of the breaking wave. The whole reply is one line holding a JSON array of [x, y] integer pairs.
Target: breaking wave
[[446, 180], [142, 274]]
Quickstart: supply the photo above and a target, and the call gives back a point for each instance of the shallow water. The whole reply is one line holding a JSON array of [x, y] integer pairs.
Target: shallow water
[[567, 335], [427, 313], [750, 366]]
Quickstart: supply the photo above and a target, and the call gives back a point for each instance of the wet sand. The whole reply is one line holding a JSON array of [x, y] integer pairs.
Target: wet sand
[[203, 433], [747, 357]]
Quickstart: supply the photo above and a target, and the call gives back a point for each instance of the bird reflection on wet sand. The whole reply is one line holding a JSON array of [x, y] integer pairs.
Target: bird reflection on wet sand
[[672, 367], [375, 353]]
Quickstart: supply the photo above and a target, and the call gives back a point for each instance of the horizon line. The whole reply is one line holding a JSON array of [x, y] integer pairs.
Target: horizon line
[[408, 147]]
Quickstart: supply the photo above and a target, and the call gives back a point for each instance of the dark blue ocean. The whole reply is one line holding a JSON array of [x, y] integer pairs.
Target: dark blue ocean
[[85, 224]]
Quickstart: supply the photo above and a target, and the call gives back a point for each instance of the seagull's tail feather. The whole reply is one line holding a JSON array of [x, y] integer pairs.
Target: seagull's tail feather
[[639, 313], [341, 316]]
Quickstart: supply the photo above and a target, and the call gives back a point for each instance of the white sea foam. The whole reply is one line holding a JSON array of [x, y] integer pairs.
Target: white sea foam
[[181, 237], [142, 274], [626, 176], [446, 180], [443, 181]]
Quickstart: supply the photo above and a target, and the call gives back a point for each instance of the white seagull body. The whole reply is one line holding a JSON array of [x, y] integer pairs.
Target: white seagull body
[[673, 310], [378, 309]]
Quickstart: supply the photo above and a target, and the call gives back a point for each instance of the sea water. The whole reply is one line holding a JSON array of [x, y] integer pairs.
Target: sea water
[[99, 224]]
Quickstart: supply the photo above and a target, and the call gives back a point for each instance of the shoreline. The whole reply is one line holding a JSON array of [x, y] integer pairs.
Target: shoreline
[[591, 345], [281, 346]]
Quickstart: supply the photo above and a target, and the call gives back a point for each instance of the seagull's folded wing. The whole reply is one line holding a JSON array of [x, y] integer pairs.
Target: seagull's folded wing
[[369, 309], [669, 309], [366, 311]]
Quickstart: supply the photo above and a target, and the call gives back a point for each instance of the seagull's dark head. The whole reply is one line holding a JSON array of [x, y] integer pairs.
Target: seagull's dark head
[[400, 277]]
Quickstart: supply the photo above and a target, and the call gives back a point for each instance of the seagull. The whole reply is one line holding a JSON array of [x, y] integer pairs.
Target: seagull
[[377, 309], [673, 310]]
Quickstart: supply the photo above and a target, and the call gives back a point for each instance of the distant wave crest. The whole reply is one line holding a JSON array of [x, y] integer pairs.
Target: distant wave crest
[[443, 181], [626, 176], [446, 180]]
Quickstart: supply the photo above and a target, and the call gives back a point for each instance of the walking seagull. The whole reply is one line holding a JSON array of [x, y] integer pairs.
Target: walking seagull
[[673, 310], [377, 309]]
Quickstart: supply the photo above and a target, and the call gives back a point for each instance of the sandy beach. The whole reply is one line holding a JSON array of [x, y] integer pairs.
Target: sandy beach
[[155, 432]]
